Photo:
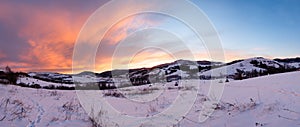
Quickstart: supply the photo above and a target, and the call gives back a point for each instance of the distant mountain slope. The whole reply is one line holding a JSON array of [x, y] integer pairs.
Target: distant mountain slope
[[294, 62], [183, 69], [257, 65]]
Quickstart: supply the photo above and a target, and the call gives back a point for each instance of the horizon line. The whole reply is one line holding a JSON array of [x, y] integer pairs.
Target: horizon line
[[70, 70]]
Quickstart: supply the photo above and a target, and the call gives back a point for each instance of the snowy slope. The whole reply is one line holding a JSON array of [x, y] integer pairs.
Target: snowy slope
[[178, 67], [276, 100], [270, 101], [244, 65], [31, 81], [20, 107], [294, 64]]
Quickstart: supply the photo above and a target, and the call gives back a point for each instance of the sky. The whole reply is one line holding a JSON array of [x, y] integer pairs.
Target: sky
[[40, 35]]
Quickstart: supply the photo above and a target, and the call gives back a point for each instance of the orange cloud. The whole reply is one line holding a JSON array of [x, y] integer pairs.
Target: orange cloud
[[50, 33], [150, 58], [145, 58], [16, 66], [103, 64], [51, 37]]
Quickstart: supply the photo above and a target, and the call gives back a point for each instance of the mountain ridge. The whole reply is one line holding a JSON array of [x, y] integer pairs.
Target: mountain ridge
[[185, 68]]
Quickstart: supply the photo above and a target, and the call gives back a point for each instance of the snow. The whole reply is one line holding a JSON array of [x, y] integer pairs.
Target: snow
[[84, 79], [277, 99], [31, 74], [181, 73], [271, 101], [295, 64], [40, 108], [193, 67], [244, 65], [32, 81]]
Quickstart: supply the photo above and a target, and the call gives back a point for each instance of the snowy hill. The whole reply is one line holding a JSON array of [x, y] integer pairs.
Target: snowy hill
[[32, 81], [294, 62], [252, 65], [276, 103], [269, 101], [180, 69]]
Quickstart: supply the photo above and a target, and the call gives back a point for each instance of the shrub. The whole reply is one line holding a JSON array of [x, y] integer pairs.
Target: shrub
[[49, 87], [11, 76], [37, 86]]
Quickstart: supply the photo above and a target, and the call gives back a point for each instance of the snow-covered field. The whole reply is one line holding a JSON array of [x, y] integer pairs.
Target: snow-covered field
[[271, 101]]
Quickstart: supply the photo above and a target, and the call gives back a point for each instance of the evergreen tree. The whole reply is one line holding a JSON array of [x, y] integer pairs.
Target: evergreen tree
[[239, 74], [11, 76]]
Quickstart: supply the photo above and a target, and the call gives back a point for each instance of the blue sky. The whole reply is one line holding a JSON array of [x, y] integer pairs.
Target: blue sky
[[260, 27]]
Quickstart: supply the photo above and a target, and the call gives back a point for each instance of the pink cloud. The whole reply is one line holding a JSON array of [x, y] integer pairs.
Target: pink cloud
[[49, 33], [123, 28]]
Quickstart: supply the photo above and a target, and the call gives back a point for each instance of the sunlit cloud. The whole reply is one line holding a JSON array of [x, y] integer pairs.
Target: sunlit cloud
[[150, 58], [129, 25], [17, 66], [49, 34]]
